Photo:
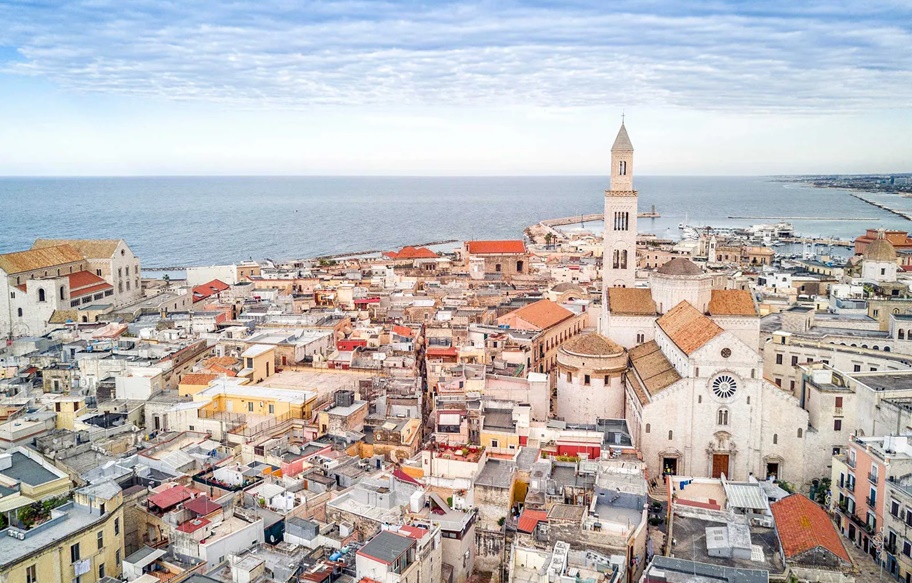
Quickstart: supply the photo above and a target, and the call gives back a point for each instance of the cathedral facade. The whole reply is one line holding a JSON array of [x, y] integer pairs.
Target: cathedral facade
[[695, 398]]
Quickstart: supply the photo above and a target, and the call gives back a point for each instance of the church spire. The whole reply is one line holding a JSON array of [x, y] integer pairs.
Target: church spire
[[622, 141]]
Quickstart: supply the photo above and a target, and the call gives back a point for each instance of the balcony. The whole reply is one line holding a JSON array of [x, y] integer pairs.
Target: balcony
[[850, 462], [871, 502], [890, 547], [872, 478], [837, 411]]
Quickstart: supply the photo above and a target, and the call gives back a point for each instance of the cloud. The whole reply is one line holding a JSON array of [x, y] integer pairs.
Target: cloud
[[740, 57]]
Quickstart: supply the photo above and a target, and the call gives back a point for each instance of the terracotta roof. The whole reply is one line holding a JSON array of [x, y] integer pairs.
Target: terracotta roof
[[529, 519], [89, 248], [592, 344], [208, 289], [198, 378], [85, 282], [402, 331], [541, 314], [219, 369], [193, 525], [732, 302], [221, 361], [653, 368], [170, 497], [630, 300], [442, 351], [412, 253], [202, 506], [495, 247], [688, 328], [803, 526], [63, 316], [679, 266], [38, 258]]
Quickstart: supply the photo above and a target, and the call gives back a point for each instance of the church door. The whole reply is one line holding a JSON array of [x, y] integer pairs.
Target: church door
[[720, 465]]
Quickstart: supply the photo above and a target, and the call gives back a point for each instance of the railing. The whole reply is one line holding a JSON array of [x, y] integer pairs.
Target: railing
[[850, 462], [872, 478], [871, 502]]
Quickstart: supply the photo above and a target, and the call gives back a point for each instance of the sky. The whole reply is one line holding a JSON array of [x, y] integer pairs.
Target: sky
[[226, 87]]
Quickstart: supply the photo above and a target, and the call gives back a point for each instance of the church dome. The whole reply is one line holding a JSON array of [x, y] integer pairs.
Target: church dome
[[880, 250], [592, 344], [565, 287], [679, 266]]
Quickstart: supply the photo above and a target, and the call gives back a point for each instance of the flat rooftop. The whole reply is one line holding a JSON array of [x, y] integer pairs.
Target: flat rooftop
[[690, 537], [26, 470]]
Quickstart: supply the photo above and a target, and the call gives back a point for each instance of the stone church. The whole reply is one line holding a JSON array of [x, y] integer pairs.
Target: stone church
[[694, 396]]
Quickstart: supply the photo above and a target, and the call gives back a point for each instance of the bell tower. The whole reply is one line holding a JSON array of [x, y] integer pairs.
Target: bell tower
[[619, 260]]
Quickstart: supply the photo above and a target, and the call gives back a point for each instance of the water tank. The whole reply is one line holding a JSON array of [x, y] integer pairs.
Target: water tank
[[416, 501], [345, 398]]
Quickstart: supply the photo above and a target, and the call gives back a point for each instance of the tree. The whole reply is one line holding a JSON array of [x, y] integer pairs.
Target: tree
[[549, 237], [166, 278]]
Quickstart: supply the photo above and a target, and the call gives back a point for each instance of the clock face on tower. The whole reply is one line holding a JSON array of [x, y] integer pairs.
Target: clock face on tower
[[724, 386]]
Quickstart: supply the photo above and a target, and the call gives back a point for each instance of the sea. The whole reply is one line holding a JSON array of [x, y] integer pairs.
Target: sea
[[174, 222]]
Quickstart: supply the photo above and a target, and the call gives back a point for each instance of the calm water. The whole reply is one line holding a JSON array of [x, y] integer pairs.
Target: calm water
[[196, 221]]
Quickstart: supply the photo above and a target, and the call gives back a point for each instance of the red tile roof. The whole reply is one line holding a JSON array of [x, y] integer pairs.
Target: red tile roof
[[402, 331], [208, 289], [84, 283], [688, 328], [529, 519], [450, 351], [201, 506], [170, 497], [414, 532], [541, 315], [412, 253], [495, 247], [803, 526], [732, 302], [193, 525]]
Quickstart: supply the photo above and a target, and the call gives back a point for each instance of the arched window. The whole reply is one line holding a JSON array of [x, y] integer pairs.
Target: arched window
[[624, 259], [902, 334], [722, 417], [648, 427], [19, 312], [622, 168], [41, 297], [775, 438], [886, 349], [62, 293], [670, 435], [800, 433]]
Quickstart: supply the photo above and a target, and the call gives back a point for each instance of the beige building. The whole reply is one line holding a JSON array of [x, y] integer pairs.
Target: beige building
[[590, 379], [109, 259], [80, 540]]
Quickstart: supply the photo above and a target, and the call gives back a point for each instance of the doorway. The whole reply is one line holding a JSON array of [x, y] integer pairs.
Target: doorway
[[720, 465], [670, 466], [772, 471]]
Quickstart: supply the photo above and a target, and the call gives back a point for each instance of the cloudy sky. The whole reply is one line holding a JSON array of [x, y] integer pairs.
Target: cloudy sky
[[112, 87]]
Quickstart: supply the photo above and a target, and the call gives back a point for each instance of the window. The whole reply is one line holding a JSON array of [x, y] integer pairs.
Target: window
[[586, 380], [622, 168], [100, 539], [778, 359], [648, 427], [839, 402], [101, 572], [31, 574], [902, 334], [670, 435], [894, 508], [519, 267], [117, 557], [271, 409], [907, 548], [801, 433], [62, 293], [794, 360], [778, 382], [856, 368], [74, 553], [116, 527], [250, 406], [495, 444], [98, 272], [722, 417], [837, 425], [41, 296], [775, 439], [497, 267], [607, 380], [19, 312]]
